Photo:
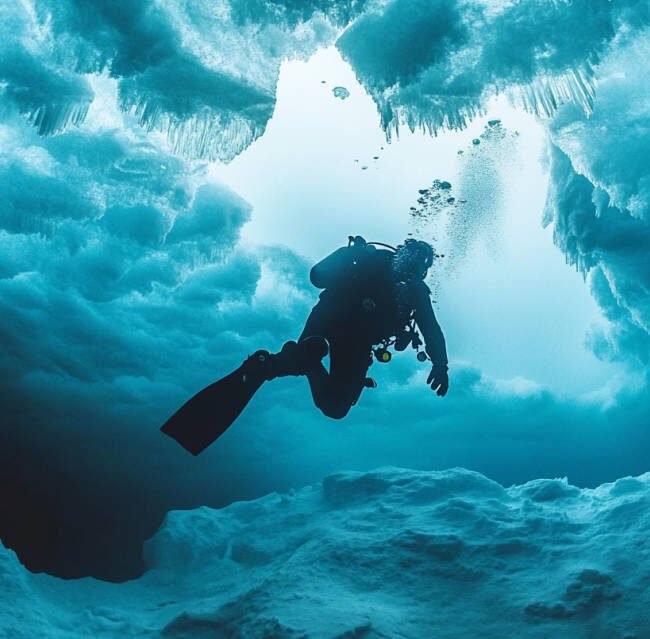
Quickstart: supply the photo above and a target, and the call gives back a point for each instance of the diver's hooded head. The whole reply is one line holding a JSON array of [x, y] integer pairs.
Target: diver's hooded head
[[412, 260]]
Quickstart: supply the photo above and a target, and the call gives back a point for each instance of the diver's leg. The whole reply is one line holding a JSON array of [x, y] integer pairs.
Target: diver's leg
[[319, 384], [318, 377], [297, 358], [337, 391]]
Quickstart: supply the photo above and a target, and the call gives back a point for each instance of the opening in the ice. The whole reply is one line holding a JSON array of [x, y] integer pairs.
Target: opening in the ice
[[514, 308]]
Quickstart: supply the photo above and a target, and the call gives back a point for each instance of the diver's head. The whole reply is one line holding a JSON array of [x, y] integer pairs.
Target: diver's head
[[412, 260]]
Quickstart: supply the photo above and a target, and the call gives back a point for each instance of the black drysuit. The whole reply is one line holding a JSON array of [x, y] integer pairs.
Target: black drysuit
[[363, 302]]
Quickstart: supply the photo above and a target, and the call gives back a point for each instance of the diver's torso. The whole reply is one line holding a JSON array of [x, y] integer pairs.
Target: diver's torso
[[369, 306]]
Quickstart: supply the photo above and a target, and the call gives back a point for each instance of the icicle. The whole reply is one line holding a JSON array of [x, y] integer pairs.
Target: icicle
[[207, 136], [544, 95], [51, 119], [440, 114]]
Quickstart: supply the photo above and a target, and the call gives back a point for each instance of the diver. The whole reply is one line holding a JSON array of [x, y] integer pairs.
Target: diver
[[372, 298]]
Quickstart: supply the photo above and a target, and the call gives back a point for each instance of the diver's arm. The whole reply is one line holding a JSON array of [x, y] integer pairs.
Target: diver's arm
[[434, 342]]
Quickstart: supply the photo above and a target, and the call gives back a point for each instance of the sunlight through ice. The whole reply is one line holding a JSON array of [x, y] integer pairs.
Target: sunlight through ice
[[507, 301]]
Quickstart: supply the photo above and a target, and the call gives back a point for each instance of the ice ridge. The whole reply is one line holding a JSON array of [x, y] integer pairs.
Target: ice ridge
[[205, 73], [387, 553], [433, 65]]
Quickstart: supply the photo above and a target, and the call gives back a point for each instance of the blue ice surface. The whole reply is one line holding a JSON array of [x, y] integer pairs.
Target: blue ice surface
[[387, 553]]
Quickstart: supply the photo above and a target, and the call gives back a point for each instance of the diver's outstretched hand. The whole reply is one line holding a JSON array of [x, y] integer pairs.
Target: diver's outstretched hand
[[439, 380]]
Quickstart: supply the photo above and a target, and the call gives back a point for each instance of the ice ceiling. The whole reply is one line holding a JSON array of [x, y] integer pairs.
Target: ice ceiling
[[121, 280], [204, 74]]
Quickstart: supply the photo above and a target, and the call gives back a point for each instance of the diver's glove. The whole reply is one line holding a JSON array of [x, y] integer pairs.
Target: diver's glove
[[439, 380]]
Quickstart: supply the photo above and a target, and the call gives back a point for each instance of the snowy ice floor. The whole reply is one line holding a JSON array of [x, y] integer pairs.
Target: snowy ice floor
[[392, 553]]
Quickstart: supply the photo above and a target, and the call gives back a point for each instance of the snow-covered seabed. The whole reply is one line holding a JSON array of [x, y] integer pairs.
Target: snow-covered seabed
[[390, 553]]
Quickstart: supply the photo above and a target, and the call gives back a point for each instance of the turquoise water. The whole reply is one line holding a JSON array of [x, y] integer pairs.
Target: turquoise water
[[169, 172]]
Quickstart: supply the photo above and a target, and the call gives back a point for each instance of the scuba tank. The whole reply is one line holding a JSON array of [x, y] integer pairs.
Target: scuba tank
[[344, 264]]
